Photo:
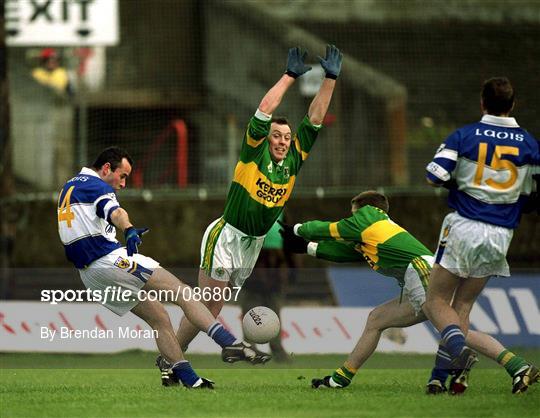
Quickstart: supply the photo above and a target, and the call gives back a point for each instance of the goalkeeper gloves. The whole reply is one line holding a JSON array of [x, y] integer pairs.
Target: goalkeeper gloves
[[295, 63], [292, 242], [332, 62], [133, 239]]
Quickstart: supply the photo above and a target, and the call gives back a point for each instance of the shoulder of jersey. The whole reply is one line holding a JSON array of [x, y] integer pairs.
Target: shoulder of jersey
[[91, 189]]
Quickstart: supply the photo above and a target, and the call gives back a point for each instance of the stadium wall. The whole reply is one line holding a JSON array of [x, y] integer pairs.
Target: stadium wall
[[177, 226]]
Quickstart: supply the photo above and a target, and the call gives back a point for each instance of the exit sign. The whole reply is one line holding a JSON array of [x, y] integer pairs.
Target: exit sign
[[61, 22]]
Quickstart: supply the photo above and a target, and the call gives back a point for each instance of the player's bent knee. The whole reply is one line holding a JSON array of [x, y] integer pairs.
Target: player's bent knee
[[375, 319]]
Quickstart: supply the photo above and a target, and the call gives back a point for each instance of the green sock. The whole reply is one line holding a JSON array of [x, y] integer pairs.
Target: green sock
[[511, 362], [344, 375]]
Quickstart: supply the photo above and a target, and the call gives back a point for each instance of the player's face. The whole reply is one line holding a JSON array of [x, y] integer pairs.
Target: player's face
[[117, 178], [280, 141]]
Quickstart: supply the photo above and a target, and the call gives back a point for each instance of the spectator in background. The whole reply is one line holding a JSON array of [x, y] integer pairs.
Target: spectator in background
[[269, 284], [51, 74]]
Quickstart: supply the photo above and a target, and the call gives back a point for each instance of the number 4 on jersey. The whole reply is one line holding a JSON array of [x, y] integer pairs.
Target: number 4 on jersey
[[64, 211]]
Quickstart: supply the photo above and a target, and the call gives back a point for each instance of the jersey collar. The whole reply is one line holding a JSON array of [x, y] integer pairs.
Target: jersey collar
[[505, 122], [89, 172]]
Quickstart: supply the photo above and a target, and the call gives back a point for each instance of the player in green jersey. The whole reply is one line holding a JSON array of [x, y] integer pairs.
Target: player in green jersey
[[270, 158], [370, 235]]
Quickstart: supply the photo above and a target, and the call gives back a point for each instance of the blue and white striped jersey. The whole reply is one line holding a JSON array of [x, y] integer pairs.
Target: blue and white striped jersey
[[84, 208], [492, 162]]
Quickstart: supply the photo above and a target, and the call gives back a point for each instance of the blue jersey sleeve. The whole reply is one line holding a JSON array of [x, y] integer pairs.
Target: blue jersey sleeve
[[105, 206], [440, 169]]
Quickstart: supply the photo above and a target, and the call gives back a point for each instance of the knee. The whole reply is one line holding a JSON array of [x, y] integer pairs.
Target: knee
[[159, 320], [374, 320]]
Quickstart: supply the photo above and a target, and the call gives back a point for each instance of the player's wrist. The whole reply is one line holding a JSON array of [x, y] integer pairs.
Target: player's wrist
[[312, 249], [292, 74], [296, 228], [128, 229]]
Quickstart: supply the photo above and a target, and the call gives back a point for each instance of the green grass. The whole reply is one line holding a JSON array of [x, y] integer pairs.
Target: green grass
[[126, 385]]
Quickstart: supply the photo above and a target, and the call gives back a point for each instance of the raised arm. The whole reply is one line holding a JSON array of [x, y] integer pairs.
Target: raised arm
[[295, 68], [273, 97], [321, 102], [332, 67]]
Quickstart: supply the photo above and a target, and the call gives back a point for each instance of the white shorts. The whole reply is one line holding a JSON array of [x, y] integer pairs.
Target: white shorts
[[119, 270], [469, 248], [416, 280], [227, 254]]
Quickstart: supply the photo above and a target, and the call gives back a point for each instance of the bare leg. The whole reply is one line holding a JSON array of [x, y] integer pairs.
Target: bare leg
[[387, 315], [195, 310], [155, 315], [464, 298], [442, 285], [484, 344], [188, 330]]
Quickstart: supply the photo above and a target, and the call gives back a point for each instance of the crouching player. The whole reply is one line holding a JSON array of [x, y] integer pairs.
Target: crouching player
[[88, 213], [390, 250]]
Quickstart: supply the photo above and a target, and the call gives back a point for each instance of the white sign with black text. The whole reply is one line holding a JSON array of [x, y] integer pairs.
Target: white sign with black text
[[61, 22]]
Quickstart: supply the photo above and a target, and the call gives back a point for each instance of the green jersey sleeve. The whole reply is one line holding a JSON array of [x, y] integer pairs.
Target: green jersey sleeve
[[255, 137], [303, 140], [338, 252], [348, 229]]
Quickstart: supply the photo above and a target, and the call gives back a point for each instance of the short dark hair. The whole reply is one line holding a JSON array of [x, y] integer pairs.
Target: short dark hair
[[372, 198], [497, 95], [280, 120], [112, 155]]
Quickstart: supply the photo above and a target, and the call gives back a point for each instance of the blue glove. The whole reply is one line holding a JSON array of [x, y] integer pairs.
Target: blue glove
[[295, 63], [133, 239], [332, 62]]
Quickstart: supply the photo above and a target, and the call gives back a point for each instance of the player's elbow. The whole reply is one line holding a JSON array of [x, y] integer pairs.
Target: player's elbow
[[117, 214]]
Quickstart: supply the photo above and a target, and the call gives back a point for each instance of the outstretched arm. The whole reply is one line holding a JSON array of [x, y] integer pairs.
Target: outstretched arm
[[272, 98], [295, 68], [321, 102]]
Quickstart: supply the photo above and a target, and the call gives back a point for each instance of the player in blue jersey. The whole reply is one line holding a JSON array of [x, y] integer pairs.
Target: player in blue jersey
[[488, 167], [88, 213]]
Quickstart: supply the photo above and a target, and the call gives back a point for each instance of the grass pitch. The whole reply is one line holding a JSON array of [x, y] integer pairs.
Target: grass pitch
[[126, 385]]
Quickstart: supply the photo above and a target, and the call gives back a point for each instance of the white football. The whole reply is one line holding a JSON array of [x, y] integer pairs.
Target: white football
[[260, 325]]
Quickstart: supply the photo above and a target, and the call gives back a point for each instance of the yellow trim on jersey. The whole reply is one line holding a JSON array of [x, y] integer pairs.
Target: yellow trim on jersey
[[298, 147], [254, 142], [380, 231], [260, 188], [377, 233], [334, 232], [370, 251]]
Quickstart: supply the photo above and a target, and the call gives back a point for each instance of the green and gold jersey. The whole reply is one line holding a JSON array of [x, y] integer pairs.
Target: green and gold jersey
[[261, 187], [369, 234]]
